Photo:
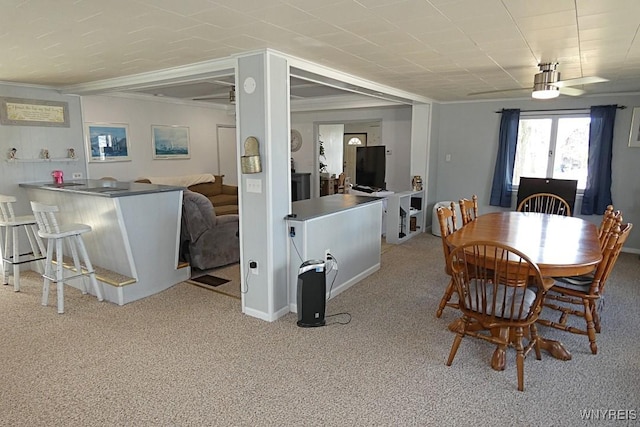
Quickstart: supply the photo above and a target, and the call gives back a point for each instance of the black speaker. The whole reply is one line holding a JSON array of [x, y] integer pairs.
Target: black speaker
[[311, 298]]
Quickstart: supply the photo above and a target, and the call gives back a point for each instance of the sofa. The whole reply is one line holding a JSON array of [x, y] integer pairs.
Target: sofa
[[207, 240], [223, 197]]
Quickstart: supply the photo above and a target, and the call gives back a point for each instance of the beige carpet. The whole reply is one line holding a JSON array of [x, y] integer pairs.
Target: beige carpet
[[189, 357]]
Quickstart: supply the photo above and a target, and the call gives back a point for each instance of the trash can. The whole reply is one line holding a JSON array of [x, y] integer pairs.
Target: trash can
[[435, 224]]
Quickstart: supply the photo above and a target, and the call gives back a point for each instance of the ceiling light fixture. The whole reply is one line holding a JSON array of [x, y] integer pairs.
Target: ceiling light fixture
[[543, 87]]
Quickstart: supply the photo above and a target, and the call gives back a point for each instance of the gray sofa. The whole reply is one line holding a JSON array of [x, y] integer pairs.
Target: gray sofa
[[207, 241]]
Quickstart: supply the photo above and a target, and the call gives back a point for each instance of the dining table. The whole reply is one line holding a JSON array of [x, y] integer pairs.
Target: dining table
[[560, 245]]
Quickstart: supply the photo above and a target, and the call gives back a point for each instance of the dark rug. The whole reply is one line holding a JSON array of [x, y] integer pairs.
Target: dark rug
[[210, 280]]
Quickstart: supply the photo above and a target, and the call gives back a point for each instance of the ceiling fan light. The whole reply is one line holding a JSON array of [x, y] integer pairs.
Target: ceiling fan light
[[545, 92]]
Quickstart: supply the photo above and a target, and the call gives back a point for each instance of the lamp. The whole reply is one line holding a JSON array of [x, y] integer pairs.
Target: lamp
[[543, 87]]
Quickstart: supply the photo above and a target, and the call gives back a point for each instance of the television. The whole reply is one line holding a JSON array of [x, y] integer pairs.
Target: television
[[565, 188], [370, 166]]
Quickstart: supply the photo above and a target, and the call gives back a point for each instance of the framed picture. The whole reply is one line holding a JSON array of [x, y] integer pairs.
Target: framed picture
[[170, 142], [634, 135], [33, 112], [107, 142]]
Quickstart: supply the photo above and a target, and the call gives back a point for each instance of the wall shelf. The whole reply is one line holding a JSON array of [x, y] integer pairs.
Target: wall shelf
[[52, 160], [405, 215]]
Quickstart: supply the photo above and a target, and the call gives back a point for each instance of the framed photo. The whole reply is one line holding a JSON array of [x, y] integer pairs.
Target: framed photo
[[33, 112], [170, 142], [107, 142], [634, 135]]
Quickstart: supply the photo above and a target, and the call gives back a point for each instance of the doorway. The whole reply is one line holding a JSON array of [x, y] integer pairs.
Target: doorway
[[227, 154]]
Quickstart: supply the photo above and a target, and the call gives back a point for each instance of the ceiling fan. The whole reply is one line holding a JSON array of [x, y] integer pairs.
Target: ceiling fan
[[547, 84], [231, 96]]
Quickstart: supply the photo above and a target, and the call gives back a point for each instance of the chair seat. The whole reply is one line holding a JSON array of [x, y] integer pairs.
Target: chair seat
[[529, 298], [19, 220], [575, 282], [66, 230]]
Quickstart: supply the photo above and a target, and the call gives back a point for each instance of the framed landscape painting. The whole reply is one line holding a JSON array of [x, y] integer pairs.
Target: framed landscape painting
[[170, 142], [107, 142]]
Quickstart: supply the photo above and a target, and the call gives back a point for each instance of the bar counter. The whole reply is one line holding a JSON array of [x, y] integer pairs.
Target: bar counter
[[135, 232]]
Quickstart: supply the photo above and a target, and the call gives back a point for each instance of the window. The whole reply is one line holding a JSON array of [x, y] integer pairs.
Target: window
[[553, 147]]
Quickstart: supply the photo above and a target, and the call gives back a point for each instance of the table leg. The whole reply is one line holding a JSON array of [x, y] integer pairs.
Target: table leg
[[555, 349]]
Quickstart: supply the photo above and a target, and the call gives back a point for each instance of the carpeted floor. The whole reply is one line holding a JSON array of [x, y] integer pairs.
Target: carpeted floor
[[189, 357]]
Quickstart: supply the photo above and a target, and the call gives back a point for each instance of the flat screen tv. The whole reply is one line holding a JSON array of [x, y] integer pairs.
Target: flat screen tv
[[370, 166], [565, 188]]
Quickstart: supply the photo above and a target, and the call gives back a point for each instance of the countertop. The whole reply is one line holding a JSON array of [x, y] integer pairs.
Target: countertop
[[325, 205], [96, 187]]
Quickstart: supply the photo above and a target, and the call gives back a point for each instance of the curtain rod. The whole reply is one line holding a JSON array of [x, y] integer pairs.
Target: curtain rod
[[620, 107]]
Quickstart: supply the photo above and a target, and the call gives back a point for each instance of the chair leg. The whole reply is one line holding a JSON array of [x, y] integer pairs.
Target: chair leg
[[591, 329], [92, 273], [4, 235], [48, 267], [596, 316], [59, 276], [76, 262], [536, 340], [457, 340], [16, 259], [445, 298], [519, 358], [37, 246]]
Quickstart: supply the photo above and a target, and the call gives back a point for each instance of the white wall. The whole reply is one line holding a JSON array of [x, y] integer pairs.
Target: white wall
[[469, 133], [140, 114], [29, 140], [395, 134]]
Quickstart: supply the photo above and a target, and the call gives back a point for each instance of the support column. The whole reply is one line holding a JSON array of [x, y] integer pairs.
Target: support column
[[420, 142], [262, 96]]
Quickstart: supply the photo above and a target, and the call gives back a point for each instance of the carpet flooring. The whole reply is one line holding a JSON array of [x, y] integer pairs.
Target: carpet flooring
[[189, 357]]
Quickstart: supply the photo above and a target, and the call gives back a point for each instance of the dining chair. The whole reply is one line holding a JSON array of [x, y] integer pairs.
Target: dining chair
[[469, 209], [583, 298], [447, 221], [501, 292], [545, 203], [608, 220]]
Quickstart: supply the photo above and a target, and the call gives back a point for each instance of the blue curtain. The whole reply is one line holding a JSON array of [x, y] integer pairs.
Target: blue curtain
[[508, 139], [597, 194]]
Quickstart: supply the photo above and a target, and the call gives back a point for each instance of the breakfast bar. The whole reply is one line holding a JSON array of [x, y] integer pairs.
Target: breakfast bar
[[343, 225], [134, 242]]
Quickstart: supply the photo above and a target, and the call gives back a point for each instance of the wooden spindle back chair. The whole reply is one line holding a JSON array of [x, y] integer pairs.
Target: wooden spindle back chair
[[545, 203], [447, 221], [499, 289], [578, 297], [469, 209]]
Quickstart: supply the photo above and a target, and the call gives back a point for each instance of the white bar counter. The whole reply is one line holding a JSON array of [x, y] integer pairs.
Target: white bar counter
[[345, 225], [135, 232]]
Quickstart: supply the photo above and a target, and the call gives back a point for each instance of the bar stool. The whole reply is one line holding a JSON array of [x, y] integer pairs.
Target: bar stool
[[55, 234], [10, 224]]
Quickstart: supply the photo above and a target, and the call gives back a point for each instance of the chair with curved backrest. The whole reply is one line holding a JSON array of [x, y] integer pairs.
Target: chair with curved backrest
[[501, 293], [447, 221], [545, 203], [570, 292], [469, 209]]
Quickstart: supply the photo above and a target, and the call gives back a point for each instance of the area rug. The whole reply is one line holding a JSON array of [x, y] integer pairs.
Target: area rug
[[222, 281]]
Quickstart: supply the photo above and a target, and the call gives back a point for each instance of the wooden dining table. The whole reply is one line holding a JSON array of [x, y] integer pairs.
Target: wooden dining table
[[559, 245]]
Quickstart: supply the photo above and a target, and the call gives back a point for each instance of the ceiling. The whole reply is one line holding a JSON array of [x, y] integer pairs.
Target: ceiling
[[438, 49]]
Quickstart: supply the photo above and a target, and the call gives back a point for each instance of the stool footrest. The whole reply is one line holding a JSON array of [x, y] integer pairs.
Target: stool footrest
[[102, 274], [23, 258]]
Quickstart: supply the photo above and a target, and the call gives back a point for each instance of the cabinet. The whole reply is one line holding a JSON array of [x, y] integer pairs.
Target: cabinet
[[405, 215]]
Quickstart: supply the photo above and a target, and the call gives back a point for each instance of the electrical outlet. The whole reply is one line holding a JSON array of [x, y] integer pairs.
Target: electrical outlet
[[253, 266], [327, 252], [77, 175]]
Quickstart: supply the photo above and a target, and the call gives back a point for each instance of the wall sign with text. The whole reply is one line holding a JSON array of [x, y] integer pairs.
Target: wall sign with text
[[33, 112]]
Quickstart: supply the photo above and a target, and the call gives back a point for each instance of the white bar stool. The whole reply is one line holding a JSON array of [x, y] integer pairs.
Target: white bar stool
[[10, 224], [55, 234]]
